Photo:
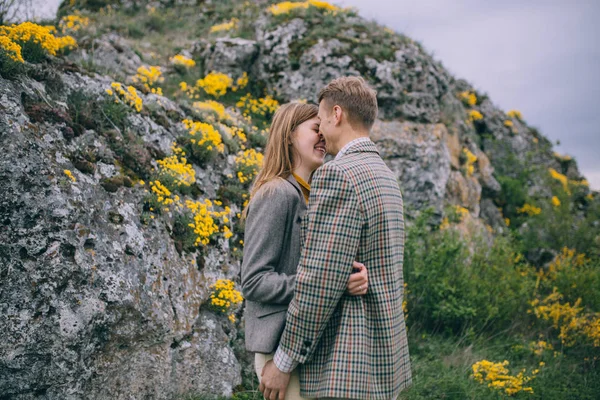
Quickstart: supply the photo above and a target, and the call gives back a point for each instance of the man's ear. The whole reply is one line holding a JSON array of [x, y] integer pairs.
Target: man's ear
[[337, 115]]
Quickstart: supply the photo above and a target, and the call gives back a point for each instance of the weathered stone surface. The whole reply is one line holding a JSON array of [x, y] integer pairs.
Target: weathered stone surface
[[97, 304], [418, 155], [109, 54]]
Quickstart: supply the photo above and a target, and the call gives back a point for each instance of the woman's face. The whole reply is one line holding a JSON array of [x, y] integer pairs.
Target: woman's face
[[309, 145]]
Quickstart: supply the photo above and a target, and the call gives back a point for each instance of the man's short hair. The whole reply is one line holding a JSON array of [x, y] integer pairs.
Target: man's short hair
[[355, 97]]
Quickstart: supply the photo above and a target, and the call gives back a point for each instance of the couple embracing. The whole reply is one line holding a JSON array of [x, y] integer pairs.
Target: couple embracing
[[322, 268]]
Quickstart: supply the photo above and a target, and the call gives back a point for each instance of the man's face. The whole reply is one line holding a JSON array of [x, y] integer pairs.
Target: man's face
[[327, 126]]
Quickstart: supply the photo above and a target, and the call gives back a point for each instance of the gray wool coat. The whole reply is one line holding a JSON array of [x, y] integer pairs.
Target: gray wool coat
[[272, 246]]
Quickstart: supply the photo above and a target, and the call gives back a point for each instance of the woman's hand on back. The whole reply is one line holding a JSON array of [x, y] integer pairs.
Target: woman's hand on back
[[358, 283]]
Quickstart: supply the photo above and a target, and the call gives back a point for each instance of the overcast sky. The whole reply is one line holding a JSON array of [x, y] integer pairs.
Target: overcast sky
[[541, 57]]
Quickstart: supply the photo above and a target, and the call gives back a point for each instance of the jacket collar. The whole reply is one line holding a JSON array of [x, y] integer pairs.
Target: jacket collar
[[366, 146], [294, 183]]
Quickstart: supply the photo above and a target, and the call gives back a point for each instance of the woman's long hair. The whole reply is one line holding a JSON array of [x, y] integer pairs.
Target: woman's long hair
[[279, 153]]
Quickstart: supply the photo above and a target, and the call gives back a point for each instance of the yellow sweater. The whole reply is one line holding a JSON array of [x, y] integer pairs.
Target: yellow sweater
[[305, 187]]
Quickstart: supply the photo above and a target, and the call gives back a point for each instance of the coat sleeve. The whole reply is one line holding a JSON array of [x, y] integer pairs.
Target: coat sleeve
[[332, 241], [263, 244]]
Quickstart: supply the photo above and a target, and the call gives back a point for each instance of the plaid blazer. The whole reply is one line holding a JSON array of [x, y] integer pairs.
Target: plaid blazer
[[351, 347]]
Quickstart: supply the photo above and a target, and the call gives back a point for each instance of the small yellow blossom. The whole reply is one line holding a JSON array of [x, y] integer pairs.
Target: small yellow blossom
[[468, 97], [70, 175], [182, 61], [515, 114], [225, 26]]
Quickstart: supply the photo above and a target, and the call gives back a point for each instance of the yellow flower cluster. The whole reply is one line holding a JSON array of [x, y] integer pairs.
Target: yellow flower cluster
[[70, 175], [177, 167], [241, 82], [182, 61], [215, 83], [475, 115], [204, 217], [565, 317], [73, 23], [224, 297], [286, 6], [163, 194], [461, 212], [470, 160], [515, 114], [38, 34], [248, 162], [561, 178], [262, 106], [212, 106], [539, 347], [236, 132], [508, 123], [497, 377], [468, 97], [555, 201], [12, 50], [204, 135], [149, 78], [225, 26], [529, 210], [130, 97]]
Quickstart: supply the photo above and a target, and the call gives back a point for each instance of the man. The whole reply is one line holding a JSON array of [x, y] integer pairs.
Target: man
[[349, 347]]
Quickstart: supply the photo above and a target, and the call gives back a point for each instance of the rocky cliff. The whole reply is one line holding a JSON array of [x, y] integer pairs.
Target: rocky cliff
[[104, 291]]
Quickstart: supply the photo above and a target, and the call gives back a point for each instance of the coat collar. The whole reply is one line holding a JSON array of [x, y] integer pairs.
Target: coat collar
[[294, 183], [366, 146]]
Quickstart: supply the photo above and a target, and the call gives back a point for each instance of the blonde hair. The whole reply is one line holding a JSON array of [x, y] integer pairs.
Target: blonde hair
[[355, 96], [279, 154]]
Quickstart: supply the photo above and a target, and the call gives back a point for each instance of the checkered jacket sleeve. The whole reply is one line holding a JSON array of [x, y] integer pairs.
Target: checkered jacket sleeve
[[331, 245]]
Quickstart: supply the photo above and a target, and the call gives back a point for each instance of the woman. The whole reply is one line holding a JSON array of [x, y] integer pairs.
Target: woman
[[279, 197]]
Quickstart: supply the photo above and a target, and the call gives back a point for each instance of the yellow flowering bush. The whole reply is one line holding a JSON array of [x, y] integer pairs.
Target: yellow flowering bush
[[498, 377], [73, 23], [238, 134], [11, 49], [555, 201], [34, 41], [561, 178], [475, 115], [567, 318], [175, 169], [515, 114], [285, 7], [225, 26], [241, 82], [469, 161], [215, 83], [263, 108], [204, 140], [213, 107], [182, 61], [248, 163], [205, 220], [129, 96], [508, 123], [468, 98], [69, 174], [149, 77], [529, 210], [224, 297]]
